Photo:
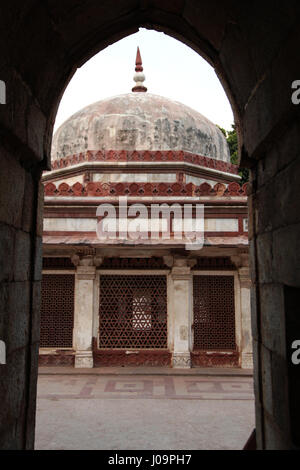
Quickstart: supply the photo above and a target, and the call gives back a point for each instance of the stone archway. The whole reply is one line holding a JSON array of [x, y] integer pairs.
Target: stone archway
[[253, 48]]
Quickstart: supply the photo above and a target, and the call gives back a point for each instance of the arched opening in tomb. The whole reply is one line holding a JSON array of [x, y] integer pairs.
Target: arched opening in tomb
[[253, 50], [153, 302]]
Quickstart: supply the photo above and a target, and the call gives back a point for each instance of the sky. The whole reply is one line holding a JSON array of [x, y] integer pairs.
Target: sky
[[172, 69]]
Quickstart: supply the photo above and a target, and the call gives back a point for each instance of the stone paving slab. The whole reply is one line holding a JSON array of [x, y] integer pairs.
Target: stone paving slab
[[143, 412], [179, 387]]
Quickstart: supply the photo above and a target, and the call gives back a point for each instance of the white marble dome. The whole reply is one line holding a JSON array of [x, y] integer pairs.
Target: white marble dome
[[139, 121]]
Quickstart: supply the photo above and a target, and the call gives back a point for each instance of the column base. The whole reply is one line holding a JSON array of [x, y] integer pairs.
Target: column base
[[84, 359], [247, 360], [181, 360]]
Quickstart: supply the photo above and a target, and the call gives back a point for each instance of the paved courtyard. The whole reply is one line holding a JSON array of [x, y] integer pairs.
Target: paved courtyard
[[144, 412]]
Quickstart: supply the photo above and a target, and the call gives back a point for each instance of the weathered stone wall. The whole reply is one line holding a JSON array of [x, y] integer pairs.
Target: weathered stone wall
[[253, 47], [20, 251], [275, 248]]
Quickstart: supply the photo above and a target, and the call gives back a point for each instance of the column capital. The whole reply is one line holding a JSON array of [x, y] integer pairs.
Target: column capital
[[182, 268], [240, 260], [87, 260], [168, 260], [179, 261]]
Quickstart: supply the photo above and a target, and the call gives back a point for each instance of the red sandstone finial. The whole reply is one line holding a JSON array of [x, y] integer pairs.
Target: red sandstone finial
[[138, 61], [139, 77]]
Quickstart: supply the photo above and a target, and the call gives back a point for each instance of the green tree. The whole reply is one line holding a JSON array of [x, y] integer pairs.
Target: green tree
[[231, 137]]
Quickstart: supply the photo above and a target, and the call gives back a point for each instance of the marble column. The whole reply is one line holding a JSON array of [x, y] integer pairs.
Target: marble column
[[241, 262], [181, 309], [84, 309], [246, 350]]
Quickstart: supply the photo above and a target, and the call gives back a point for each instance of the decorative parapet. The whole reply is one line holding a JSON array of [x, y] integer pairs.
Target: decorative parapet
[[145, 189], [144, 156]]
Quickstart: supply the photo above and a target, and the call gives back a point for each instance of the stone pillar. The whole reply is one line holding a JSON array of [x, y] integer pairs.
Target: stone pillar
[[181, 286], [246, 351], [84, 308]]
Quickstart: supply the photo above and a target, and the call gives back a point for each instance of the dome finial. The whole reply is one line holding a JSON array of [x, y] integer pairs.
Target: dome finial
[[139, 77]]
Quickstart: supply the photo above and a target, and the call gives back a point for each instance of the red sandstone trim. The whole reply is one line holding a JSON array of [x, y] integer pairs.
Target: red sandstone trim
[[144, 189], [111, 357], [241, 227], [209, 213], [144, 156], [202, 358], [59, 359]]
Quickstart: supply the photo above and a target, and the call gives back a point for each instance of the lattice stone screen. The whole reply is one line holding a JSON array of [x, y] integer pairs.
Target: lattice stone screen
[[214, 313], [57, 311], [133, 311]]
